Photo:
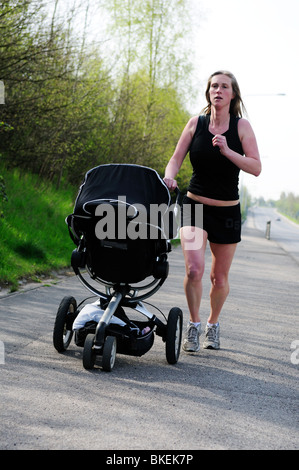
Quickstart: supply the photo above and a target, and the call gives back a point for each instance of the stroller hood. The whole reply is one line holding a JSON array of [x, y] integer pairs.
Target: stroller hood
[[117, 245], [138, 184]]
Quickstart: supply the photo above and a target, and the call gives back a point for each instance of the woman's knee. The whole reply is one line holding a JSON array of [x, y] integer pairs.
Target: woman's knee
[[195, 272], [219, 280]]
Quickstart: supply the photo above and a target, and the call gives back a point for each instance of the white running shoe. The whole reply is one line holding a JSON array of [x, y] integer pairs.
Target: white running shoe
[[212, 339], [191, 338]]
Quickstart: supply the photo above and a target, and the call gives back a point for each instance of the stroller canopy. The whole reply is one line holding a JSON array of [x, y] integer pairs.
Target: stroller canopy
[[138, 184], [122, 246]]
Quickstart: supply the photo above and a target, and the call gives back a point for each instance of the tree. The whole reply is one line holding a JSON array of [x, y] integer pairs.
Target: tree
[[289, 204], [49, 90], [153, 66], [70, 108]]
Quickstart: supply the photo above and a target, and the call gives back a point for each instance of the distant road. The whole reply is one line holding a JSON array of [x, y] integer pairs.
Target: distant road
[[283, 231]]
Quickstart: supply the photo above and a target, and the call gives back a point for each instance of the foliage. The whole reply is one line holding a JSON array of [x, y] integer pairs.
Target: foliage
[[70, 105], [33, 234], [3, 195], [289, 205], [245, 201], [68, 108]]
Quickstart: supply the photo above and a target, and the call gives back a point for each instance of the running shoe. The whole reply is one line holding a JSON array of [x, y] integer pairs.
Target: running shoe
[[212, 339], [191, 338]]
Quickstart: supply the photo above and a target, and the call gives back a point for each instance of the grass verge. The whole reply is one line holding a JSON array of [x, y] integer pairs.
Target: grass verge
[[34, 238]]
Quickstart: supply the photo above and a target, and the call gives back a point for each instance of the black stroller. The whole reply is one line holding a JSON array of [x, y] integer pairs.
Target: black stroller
[[122, 222]]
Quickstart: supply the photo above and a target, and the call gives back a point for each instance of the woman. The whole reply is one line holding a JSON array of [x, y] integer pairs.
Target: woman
[[221, 143]]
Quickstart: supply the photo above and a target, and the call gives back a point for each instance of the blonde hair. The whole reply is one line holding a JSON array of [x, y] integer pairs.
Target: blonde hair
[[237, 107]]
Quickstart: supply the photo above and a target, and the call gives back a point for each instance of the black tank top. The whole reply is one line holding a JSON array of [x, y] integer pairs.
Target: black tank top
[[214, 176]]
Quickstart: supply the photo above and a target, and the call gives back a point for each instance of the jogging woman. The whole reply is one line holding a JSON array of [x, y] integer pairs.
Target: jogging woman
[[221, 143]]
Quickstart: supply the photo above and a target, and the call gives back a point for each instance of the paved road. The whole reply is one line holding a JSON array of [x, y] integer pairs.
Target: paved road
[[244, 396], [283, 231]]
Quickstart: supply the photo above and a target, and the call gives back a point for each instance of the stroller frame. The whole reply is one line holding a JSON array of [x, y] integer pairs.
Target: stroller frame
[[103, 338]]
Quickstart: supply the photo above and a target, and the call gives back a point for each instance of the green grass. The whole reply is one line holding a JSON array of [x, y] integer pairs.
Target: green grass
[[34, 238], [292, 219]]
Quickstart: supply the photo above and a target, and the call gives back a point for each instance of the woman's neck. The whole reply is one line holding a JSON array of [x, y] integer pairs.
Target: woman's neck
[[219, 121], [219, 118]]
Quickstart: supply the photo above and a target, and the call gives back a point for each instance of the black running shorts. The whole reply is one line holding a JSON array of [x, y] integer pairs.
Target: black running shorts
[[222, 223]]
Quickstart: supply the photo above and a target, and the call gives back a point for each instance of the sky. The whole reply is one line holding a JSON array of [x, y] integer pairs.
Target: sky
[[257, 40]]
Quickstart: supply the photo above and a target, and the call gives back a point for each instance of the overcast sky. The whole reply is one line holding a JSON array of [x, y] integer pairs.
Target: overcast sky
[[257, 40]]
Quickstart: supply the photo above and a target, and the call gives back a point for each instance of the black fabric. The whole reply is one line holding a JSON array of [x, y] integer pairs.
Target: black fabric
[[122, 254], [214, 176], [222, 223], [137, 183], [131, 264]]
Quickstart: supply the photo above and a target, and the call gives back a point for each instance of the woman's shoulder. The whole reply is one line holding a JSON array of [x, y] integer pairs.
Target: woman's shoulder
[[244, 127], [193, 120], [243, 124], [192, 125], [196, 121], [202, 117]]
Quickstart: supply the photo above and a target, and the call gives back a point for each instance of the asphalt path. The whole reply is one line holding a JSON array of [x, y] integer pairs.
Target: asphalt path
[[244, 396], [282, 230]]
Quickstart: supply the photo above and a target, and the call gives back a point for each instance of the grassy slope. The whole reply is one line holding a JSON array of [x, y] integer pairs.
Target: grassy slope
[[34, 238]]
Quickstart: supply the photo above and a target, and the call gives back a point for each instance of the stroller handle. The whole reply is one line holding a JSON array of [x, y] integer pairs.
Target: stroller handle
[[178, 195]]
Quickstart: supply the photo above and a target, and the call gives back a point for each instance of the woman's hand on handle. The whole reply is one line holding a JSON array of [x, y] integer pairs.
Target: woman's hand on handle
[[170, 183]]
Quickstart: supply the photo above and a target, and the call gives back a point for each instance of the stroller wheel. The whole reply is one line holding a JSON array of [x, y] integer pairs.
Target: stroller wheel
[[62, 333], [89, 355], [174, 335], [109, 353]]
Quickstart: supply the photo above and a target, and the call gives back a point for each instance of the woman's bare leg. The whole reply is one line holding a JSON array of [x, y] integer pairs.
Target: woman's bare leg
[[194, 241], [222, 257]]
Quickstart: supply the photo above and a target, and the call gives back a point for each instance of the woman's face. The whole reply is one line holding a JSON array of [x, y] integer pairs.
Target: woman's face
[[221, 91]]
